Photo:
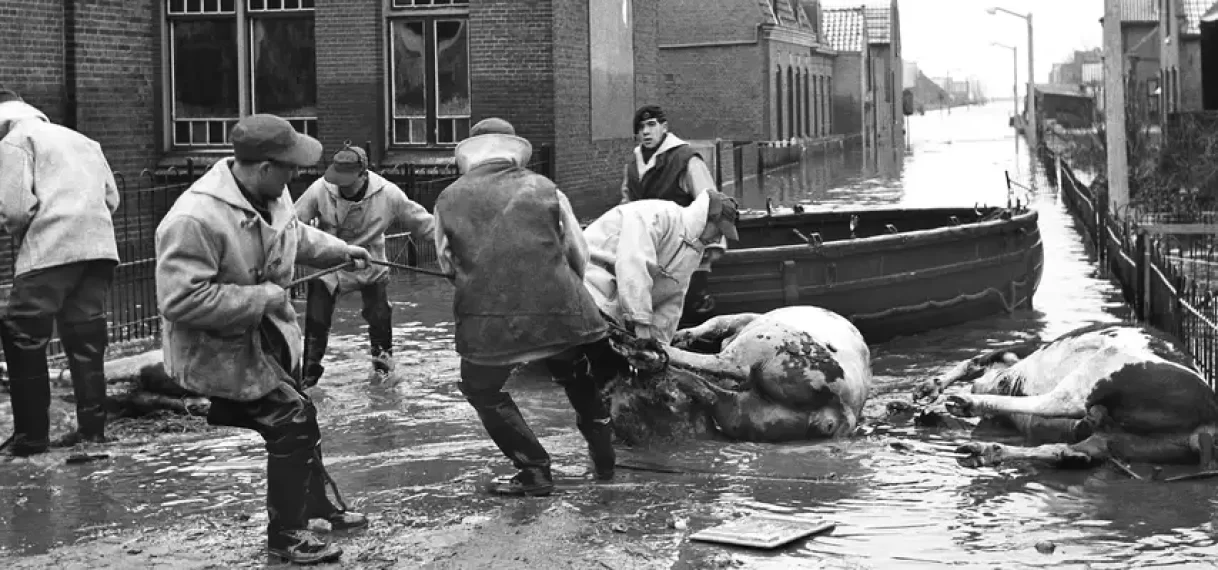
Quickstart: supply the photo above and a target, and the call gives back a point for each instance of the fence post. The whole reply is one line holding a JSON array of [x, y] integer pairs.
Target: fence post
[[1057, 161], [738, 166], [1141, 275], [719, 164]]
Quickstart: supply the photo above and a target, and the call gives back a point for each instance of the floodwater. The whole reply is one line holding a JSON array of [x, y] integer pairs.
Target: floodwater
[[896, 506]]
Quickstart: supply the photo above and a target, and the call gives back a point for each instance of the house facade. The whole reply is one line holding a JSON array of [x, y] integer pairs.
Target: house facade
[[1141, 45], [743, 70], [158, 82], [845, 30], [883, 21], [1180, 54]]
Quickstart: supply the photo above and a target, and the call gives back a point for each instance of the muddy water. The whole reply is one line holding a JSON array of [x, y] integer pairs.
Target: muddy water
[[898, 497]]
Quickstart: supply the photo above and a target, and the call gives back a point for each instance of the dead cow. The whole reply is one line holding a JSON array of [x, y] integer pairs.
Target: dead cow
[[1106, 391]]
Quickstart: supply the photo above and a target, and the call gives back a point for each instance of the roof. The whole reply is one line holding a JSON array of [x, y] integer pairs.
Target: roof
[[1063, 90], [787, 13], [1191, 12], [878, 17], [1139, 11], [843, 28]]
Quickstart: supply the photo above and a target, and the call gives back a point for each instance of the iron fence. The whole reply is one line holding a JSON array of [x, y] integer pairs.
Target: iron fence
[[132, 306], [1166, 264], [735, 162]]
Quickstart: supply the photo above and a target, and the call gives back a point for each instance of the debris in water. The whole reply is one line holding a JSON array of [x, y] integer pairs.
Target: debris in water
[[1045, 547], [617, 527], [764, 531], [85, 458]]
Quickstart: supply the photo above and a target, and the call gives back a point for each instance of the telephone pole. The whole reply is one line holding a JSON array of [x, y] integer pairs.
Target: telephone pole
[[1114, 108]]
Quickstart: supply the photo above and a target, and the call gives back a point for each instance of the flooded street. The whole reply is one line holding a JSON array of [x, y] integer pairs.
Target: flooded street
[[416, 447]]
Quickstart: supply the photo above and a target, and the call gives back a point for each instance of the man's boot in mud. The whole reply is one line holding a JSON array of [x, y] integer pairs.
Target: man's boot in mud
[[592, 419], [85, 347], [288, 480], [382, 366], [506, 426], [24, 343], [320, 506]]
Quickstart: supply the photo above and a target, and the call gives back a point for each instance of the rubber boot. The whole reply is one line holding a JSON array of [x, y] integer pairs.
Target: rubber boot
[[320, 506], [85, 347], [24, 342], [288, 480], [506, 426], [592, 419]]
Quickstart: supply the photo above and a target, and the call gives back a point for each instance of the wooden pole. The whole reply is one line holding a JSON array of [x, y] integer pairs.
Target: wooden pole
[[1114, 109], [1033, 134]]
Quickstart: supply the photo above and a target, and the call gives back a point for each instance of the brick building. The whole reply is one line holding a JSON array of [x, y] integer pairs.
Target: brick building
[[883, 21], [159, 81], [744, 70], [845, 30], [1180, 56]]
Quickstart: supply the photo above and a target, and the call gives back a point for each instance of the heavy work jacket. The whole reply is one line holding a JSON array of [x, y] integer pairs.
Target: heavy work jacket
[[515, 247], [214, 254]]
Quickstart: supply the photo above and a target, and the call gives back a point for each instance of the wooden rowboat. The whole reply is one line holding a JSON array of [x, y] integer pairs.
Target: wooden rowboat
[[891, 271]]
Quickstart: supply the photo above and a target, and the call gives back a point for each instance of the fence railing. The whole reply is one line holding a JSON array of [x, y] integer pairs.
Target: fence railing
[[738, 161], [144, 200], [1166, 266]]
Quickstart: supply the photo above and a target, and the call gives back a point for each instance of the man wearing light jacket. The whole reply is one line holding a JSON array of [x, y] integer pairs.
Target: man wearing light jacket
[[224, 254], [665, 167], [643, 254], [57, 198], [358, 206]]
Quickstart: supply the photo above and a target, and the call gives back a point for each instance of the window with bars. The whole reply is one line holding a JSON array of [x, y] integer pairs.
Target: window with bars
[[232, 58], [429, 78], [430, 3]]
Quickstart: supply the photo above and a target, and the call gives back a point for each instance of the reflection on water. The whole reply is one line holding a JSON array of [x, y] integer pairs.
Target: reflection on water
[[906, 506]]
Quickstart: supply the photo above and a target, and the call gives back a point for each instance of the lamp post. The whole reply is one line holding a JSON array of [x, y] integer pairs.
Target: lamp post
[[1014, 76], [1031, 107]]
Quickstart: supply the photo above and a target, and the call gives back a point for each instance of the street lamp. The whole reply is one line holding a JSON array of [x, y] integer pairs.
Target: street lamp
[[1014, 75], [1031, 107]]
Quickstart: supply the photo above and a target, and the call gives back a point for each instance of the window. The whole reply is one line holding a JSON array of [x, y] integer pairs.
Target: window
[[798, 116], [429, 74], [791, 111], [778, 102], [814, 99], [231, 58]]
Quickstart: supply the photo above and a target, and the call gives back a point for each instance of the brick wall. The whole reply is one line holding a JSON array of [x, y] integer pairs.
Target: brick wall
[[590, 171], [700, 21], [1190, 74], [728, 103], [848, 94], [351, 73], [118, 79], [31, 39], [512, 61]]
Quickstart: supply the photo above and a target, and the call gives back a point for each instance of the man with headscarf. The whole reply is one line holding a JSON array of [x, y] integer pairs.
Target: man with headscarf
[[515, 247], [643, 254], [665, 167], [57, 199]]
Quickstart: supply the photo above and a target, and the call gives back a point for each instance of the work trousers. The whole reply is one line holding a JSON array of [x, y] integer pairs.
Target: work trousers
[[319, 315]]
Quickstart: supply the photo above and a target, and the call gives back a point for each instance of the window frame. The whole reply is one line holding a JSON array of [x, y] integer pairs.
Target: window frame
[[243, 20], [430, 15]]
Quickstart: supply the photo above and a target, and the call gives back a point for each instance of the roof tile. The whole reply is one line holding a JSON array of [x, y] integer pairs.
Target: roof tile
[[844, 28]]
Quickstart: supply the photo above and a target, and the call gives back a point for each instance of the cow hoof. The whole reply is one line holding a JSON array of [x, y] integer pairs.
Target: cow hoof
[[959, 406], [979, 455], [683, 340], [927, 391]]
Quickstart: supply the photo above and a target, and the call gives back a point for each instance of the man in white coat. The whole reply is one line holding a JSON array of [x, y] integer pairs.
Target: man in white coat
[[643, 254]]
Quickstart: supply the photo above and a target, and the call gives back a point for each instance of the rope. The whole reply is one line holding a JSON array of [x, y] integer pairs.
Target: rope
[[294, 283], [412, 268]]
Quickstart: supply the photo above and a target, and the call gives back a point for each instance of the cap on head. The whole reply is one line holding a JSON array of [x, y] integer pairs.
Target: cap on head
[[723, 212], [492, 126], [647, 113], [267, 137], [347, 165]]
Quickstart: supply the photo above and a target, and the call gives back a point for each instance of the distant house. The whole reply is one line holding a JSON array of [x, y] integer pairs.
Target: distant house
[[1141, 46], [743, 70], [845, 29], [1069, 106], [883, 21], [1180, 65]]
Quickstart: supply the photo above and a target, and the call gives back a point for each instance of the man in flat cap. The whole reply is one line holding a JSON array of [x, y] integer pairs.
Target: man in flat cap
[[356, 205], [518, 255], [665, 167], [643, 254], [224, 253], [57, 198]]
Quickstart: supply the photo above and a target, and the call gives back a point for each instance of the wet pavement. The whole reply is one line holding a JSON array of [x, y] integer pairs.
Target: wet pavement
[[897, 495]]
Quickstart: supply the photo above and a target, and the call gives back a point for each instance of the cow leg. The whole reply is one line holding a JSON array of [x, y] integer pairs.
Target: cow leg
[[710, 336], [1096, 416], [930, 390], [1067, 400], [1165, 448]]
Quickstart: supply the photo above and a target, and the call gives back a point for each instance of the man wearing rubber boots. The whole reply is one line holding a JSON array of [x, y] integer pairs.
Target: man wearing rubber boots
[[225, 252], [665, 167], [518, 255], [643, 254], [358, 206], [57, 198]]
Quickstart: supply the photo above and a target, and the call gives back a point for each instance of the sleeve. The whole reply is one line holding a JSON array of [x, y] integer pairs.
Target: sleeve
[[636, 254], [444, 255], [319, 249], [187, 263], [112, 194], [625, 189], [414, 216], [17, 200], [306, 206], [573, 236], [698, 178]]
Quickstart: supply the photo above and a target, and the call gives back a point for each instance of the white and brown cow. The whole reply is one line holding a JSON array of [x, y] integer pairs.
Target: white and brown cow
[[1102, 391]]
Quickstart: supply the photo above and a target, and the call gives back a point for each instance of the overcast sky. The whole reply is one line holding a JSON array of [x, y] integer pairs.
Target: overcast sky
[[953, 36]]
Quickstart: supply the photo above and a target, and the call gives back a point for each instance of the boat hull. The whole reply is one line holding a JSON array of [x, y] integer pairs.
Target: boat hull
[[942, 271]]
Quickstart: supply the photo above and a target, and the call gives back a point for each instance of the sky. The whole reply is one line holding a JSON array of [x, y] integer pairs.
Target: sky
[[953, 36]]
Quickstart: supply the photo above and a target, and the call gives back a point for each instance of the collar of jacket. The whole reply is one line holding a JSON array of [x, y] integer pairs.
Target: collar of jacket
[[671, 141], [13, 111], [694, 219], [220, 184]]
